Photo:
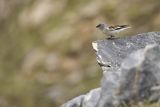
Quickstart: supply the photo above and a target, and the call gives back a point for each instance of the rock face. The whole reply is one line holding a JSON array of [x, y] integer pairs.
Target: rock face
[[88, 100], [131, 71]]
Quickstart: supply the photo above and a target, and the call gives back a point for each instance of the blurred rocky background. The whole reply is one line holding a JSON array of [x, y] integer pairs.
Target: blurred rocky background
[[46, 57]]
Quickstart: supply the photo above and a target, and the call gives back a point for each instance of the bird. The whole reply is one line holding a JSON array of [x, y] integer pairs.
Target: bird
[[111, 31]]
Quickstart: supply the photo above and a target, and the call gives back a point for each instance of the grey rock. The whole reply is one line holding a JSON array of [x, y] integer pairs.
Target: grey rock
[[76, 102], [138, 80], [88, 100], [111, 53], [141, 72], [91, 99], [131, 71]]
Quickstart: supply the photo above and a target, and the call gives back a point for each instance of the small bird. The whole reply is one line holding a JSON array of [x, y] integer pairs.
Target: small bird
[[110, 31]]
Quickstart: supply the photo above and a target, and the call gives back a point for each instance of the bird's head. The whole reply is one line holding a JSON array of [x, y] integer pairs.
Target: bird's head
[[102, 26]]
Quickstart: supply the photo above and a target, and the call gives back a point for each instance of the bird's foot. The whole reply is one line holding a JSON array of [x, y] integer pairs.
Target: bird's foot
[[111, 37]]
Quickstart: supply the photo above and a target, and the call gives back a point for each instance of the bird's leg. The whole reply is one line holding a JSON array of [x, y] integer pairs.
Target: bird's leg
[[111, 37]]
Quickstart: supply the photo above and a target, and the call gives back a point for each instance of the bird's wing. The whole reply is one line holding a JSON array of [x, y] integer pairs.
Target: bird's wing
[[118, 27]]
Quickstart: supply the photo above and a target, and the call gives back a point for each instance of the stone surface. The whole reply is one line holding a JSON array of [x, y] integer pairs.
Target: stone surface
[[111, 53], [136, 80], [76, 102], [131, 71], [88, 100]]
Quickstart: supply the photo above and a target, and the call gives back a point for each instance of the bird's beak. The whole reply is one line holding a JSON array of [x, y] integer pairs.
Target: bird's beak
[[98, 26]]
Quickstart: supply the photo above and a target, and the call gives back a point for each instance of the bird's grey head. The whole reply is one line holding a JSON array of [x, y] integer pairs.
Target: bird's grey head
[[102, 26]]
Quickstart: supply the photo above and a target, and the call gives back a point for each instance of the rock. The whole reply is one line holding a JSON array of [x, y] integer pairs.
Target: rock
[[140, 74], [111, 53], [91, 99], [131, 71], [88, 100], [136, 80], [76, 102]]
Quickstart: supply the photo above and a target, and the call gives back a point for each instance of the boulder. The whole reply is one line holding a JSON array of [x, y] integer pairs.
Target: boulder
[[131, 71]]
